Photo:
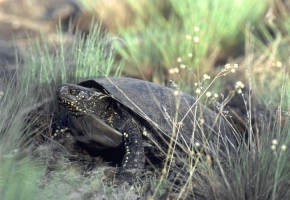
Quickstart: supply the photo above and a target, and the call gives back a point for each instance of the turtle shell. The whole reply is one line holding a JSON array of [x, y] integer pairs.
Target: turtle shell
[[168, 113]]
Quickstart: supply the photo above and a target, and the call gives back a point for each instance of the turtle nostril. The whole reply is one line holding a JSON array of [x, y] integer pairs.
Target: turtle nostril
[[62, 89]]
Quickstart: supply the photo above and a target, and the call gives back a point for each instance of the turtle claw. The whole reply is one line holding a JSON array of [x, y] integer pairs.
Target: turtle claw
[[131, 176], [59, 128]]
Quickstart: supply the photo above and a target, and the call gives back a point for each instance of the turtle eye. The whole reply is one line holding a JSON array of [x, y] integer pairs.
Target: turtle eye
[[74, 91]]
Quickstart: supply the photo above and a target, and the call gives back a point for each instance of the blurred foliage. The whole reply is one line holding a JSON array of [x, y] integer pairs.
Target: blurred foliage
[[199, 32]]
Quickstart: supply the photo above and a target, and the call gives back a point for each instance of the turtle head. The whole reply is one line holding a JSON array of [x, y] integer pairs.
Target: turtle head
[[77, 99]]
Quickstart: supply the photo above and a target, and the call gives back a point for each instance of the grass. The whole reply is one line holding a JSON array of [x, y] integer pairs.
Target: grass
[[194, 32], [28, 103], [18, 171], [154, 44]]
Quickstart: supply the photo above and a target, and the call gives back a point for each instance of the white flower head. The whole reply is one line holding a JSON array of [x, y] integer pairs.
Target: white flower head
[[283, 147], [206, 77], [197, 91], [176, 93], [239, 85], [279, 64], [227, 66], [273, 147], [188, 37]]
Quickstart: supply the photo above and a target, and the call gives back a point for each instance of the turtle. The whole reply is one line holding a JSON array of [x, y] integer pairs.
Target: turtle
[[112, 112]]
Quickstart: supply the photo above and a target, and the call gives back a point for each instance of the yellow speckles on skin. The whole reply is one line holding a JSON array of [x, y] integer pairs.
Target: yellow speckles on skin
[[110, 119], [144, 132], [59, 131], [125, 162], [126, 135], [82, 103]]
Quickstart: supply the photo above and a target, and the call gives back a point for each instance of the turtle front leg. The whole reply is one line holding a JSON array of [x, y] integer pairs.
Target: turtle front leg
[[134, 157], [59, 128]]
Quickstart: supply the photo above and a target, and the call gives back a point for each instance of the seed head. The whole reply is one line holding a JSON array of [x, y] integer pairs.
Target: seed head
[[227, 66], [208, 159], [182, 66], [239, 85], [283, 147], [273, 147], [176, 93], [197, 91], [279, 64], [196, 29], [201, 121], [205, 77], [188, 37], [173, 71]]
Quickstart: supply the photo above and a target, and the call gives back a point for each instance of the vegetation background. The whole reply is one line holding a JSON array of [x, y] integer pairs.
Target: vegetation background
[[191, 45]]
